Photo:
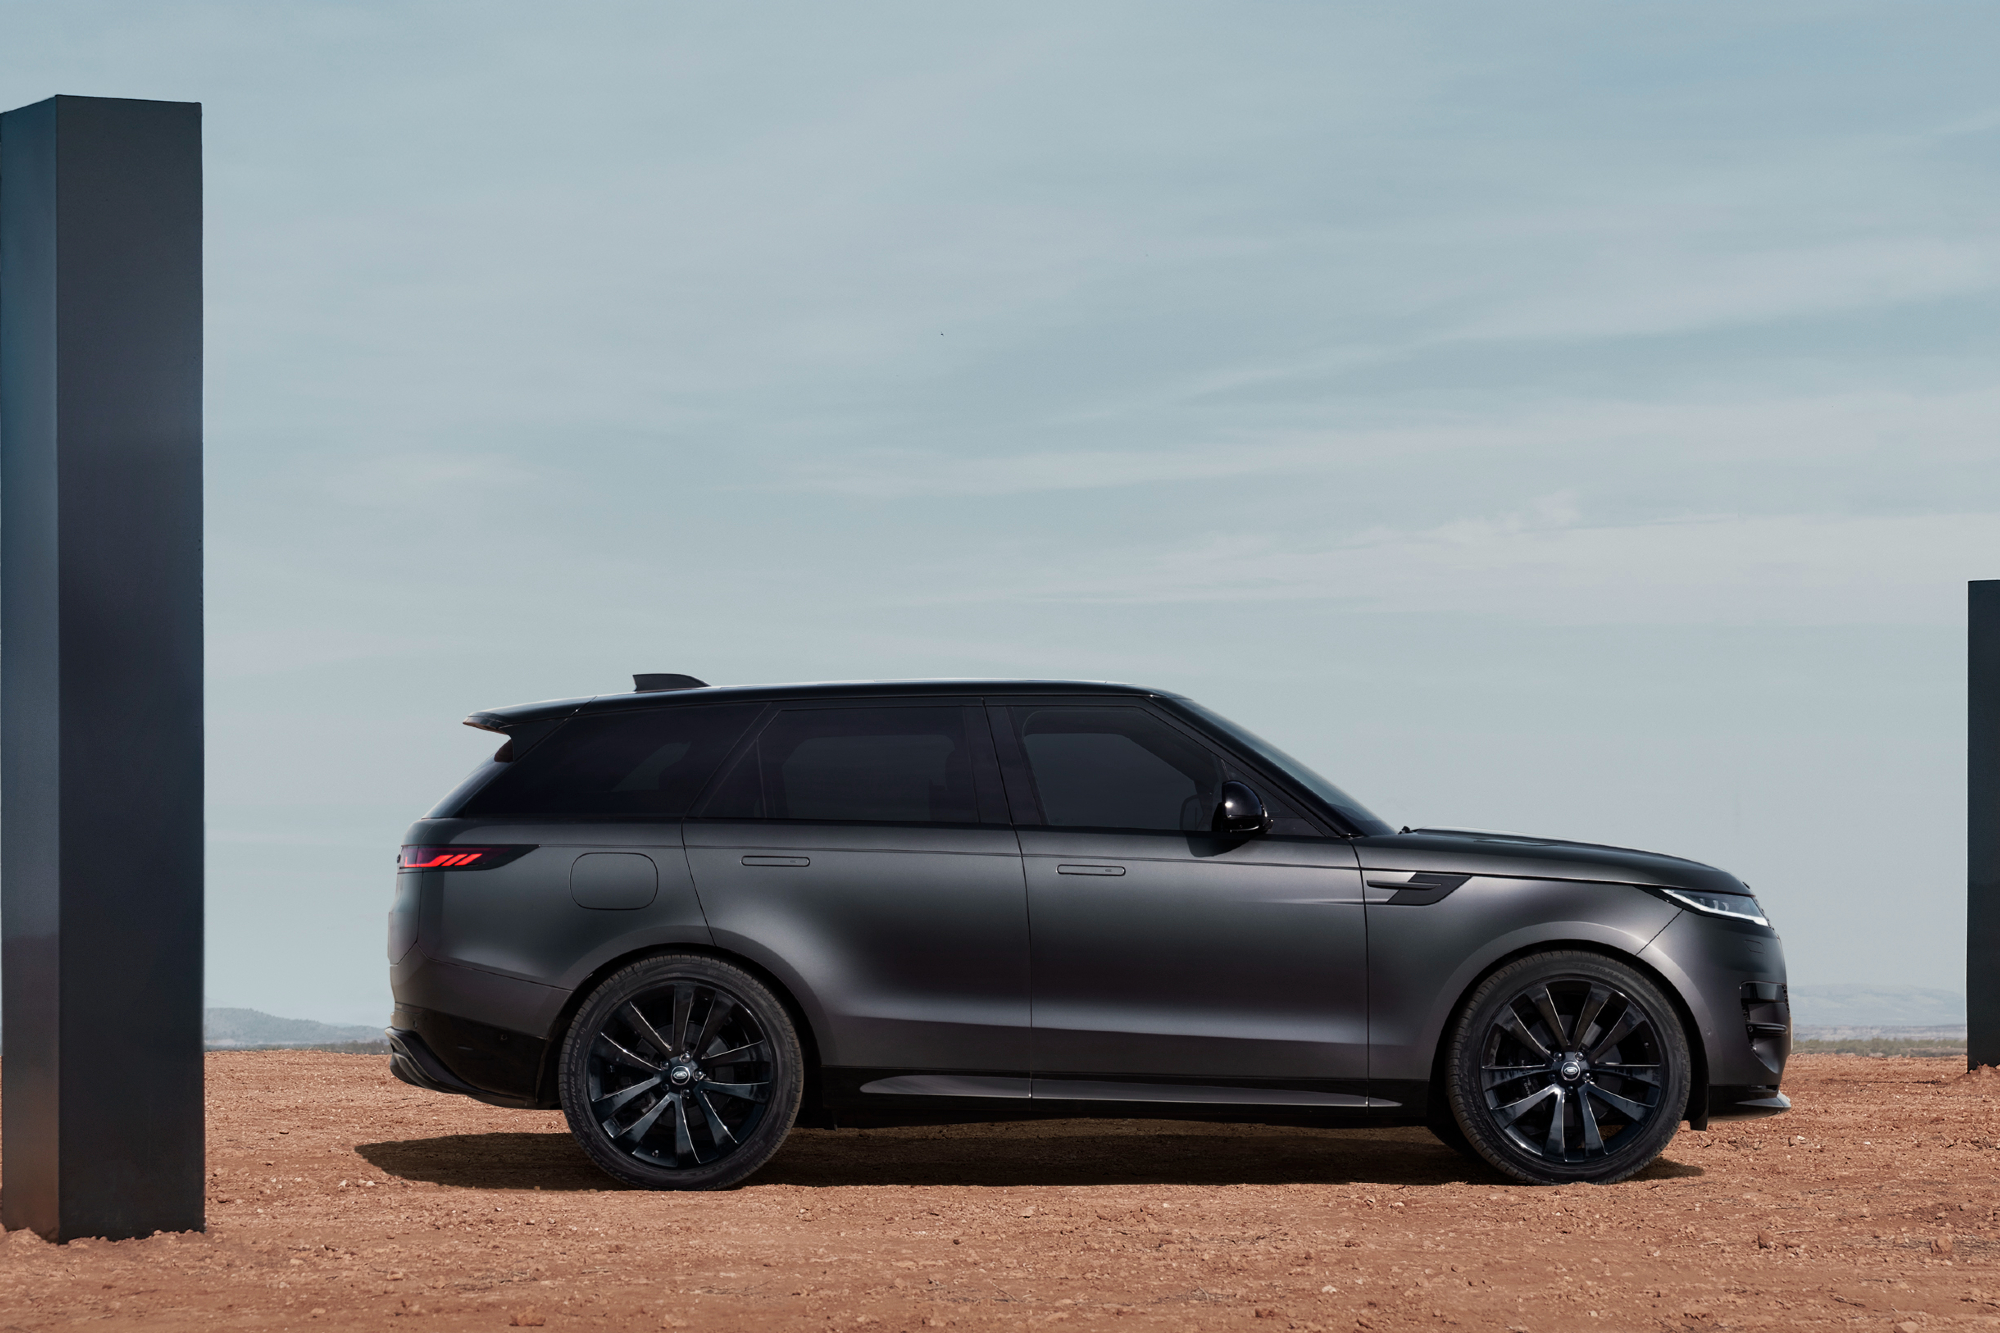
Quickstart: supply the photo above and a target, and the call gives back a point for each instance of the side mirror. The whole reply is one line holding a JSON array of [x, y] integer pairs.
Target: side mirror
[[1242, 811]]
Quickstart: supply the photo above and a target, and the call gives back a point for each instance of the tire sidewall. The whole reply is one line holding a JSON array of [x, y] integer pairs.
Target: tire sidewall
[[787, 1080], [1466, 1096]]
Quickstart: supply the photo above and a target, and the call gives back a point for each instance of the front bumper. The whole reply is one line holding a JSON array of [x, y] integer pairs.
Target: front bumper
[[1731, 975], [1745, 1101]]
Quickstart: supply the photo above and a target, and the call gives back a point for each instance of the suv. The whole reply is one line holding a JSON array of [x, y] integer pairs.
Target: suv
[[692, 917]]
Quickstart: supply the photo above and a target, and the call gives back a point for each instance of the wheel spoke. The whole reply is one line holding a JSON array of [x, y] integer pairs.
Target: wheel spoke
[[625, 1056], [1636, 1073], [1624, 1105], [645, 1029], [1510, 1022], [683, 1142], [1545, 1005], [717, 1130], [749, 1092], [636, 1131], [1554, 1143], [1513, 1111], [607, 1106], [1494, 1076], [683, 1006], [722, 1057], [1628, 1022], [1592, 1140], [719, 1010], [1593, 1005]]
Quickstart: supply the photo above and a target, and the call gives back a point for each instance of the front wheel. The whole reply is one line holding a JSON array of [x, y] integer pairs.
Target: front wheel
[[1568, 1067], [681, 1072]]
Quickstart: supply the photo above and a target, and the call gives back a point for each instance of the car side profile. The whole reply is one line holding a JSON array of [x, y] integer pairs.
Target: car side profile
[[692, 917]]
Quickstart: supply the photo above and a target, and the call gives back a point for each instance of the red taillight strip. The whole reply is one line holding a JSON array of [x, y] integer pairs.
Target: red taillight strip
[[448, 859], [421, 857], [445, 859]]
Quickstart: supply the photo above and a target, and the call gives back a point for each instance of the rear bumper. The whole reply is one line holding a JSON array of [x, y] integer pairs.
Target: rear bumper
[[413, 1061]]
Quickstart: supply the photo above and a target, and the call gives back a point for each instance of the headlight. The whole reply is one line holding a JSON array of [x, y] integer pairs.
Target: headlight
[[1738, 906]]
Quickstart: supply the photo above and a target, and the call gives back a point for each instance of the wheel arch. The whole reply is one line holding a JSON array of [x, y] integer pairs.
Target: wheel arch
[[1697, 1107], [545, 1079]]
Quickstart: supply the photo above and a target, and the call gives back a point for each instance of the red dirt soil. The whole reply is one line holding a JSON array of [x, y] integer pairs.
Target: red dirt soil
[[341, 1198]]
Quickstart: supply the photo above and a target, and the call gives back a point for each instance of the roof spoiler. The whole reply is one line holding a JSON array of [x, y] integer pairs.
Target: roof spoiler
[[522, 736], [653, 682]]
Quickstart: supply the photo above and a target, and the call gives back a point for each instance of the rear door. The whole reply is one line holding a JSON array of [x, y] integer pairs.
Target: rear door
[[1170, 963], [861, 851]]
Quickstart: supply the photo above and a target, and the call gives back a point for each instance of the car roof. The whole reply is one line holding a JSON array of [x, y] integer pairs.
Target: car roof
[[502, 719]]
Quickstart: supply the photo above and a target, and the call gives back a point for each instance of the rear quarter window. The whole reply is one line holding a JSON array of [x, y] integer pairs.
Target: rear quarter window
[[646, 762]]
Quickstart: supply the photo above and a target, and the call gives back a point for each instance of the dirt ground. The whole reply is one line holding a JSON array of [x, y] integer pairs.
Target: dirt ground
[[341, 1198]]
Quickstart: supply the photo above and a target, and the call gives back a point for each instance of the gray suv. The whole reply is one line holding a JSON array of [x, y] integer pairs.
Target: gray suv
[[693, 917]]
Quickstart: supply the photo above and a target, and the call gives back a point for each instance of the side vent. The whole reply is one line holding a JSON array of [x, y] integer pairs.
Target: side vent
[[654, 681]]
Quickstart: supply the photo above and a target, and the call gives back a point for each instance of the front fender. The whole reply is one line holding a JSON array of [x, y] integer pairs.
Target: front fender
[[1423, 960]]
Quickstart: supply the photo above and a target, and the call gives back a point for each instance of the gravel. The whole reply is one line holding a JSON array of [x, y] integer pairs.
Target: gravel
[[342, 1198]]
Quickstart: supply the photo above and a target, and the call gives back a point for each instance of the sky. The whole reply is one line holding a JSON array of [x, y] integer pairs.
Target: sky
[[1570, 418]]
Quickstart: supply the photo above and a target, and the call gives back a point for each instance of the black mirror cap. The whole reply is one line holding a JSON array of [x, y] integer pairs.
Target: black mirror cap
[[653, 682], [1242, 811]]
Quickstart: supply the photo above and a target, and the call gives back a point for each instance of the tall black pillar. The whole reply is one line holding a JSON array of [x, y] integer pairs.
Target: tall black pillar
[[100, 666], [1982, 824]]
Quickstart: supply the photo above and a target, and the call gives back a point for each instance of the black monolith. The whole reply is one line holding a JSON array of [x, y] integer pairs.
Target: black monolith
[[1982, 823], [101, 666]]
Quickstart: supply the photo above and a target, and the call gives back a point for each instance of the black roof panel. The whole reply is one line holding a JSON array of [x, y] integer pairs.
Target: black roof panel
[[515, 714]]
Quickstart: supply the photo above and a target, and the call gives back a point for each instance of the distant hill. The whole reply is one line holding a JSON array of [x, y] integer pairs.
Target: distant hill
[[1850, 1005], [236, 1029]]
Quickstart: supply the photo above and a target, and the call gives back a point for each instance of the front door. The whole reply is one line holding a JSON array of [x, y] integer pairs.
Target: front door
[[1165, 955], [863, 855]]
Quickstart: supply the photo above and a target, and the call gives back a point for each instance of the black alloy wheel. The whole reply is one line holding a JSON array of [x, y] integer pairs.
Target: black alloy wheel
[[681, 1072], [1568, 1067]]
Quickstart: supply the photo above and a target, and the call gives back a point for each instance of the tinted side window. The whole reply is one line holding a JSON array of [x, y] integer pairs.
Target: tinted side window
[[1117, 768], [890, 765], [652, 762]]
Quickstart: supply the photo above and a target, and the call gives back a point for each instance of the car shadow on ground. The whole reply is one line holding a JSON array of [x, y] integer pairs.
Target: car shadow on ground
[[1062, 1153]]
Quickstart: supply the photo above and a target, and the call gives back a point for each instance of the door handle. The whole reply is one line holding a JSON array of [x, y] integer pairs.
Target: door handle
[[1090, 870], [777, 860]]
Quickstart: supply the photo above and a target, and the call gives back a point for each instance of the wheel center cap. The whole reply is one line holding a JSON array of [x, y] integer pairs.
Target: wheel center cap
[[1572, 1068], [680, 1075]]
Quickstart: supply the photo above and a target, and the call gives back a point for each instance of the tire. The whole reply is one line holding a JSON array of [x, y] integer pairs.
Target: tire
[[1444, 1126], [1549, 1104], [645, 1093]]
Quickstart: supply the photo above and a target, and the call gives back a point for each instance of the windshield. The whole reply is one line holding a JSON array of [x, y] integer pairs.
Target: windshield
[[1349, 809]]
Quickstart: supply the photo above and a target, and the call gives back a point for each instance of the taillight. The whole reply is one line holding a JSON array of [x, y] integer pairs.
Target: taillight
[[458, 858]]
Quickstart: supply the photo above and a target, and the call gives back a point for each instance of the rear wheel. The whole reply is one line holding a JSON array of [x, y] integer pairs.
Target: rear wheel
[[681, 1072], [1568, 1067]]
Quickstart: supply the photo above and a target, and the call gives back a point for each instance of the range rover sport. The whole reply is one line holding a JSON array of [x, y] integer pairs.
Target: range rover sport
[[692, 917]]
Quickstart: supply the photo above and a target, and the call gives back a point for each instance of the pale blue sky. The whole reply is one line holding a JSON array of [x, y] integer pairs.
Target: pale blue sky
[[1577, 418]]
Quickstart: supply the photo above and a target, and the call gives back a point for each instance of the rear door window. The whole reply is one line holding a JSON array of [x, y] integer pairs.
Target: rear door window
[[900, 765], [649, 762]]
